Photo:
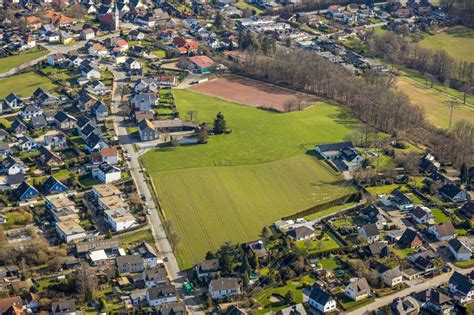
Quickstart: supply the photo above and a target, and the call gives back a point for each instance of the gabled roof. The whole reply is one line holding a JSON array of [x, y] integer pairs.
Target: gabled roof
[[450, 190], [462, 283], [23, 188], [210, 265], [62, 116], [458, 246], [335, 146], [300, 232], [63, 306], [51, 182], [376, 248], [370, 229], [360, 286], [106, 168], [400, 198], [202, 61], [224, 284], [320, 296], [432, 295], [161, 291], [444, 229], [145, 124], [408, 237]]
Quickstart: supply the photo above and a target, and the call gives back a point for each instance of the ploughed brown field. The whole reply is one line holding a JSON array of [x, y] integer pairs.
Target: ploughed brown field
[[254, 93]]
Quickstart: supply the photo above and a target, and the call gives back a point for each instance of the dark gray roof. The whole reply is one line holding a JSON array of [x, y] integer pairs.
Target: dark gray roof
[[450, 190], [335, 146], [458, 246], [222, 284], [300, 232], [462, 283], [211, 265], [161, 291], [320, 296], [371, 229], [129, 259]]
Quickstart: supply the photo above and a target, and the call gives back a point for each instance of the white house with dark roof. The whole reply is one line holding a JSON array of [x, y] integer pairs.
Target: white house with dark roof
[[148, 253], [369, 232], [107, 173], [461, 287], [161, 294], [459, 250], [343, 155], [207, 269], [452, 193], [301, 233], [321, 300]]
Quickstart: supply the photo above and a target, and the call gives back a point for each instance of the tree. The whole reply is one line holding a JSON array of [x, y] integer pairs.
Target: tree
[[289, 297], [203, 134], [245, 267], [265, 233], [219, 124], [218, 20], [464, 173], [86, 283], [210, 255]]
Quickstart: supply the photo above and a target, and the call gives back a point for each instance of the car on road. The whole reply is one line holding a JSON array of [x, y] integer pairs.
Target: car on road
[[148, 211], [143, 197]]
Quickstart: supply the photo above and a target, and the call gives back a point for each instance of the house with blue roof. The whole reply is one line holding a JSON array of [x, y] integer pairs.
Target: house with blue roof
[[26, 191], [52, 185]]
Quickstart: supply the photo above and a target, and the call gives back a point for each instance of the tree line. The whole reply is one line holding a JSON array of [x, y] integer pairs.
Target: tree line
[[372, 101], [437, 65]]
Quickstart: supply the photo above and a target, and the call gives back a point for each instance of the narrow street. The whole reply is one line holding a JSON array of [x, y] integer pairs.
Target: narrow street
[[159, 234]]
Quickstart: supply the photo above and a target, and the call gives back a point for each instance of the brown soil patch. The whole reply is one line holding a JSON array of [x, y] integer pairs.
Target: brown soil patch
[[255, 93]]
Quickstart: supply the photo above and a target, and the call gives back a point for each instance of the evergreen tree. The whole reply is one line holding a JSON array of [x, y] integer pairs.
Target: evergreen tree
[[210, 255], [218, 20], [288, 297], [245, 267], [464, 173], [202, 134], [219, 124]]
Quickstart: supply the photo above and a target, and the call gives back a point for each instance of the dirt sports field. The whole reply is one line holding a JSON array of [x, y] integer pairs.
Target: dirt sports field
[[254, 93]]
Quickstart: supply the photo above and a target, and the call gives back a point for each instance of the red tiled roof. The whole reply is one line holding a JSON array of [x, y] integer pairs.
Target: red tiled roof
[[202, 61]]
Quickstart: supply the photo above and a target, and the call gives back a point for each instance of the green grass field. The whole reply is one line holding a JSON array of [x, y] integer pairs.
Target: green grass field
[[14, 61], [234, 203], [458, 42], [245, 5], [435, 104], [231, 187], [24, 84]]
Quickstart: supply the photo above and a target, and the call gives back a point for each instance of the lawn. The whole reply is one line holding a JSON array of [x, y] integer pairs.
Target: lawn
[[295, 286], [328, 263], [245, 5], [16, 60], [350, 305], [439, 216], [316, 246], [402, 252], [435, 104], [62, 175], [267, 173], [24, 84], [458, 42], [465, 264], [159, 53], [258, 136], [384, 190], [130, 240], [234, 203], [329, 211]]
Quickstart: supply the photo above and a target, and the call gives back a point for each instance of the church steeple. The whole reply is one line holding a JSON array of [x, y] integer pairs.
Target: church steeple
[[116, 16]]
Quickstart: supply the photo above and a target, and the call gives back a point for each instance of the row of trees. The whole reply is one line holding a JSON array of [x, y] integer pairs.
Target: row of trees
[[372, 101], [437, 64]]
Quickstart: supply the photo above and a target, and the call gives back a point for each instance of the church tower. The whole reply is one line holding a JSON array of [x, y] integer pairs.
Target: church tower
[[116, 17]]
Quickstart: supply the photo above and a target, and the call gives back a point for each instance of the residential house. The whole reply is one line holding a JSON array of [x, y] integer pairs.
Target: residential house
[[422, 215], [30, 111], [4, 149], [98, 50], [173, 308], [52, 185], [90, 73], [64, 307], [105, 190], [223, 287], [390, 276], [258, 249], [357, 289], [435, 301], [132, 64], [146, 251], [154, 277], [49, 158], [321, 300], [144, 102], [32, 301], [161, 294], [43, 98], [13, 101], [107, 173], [468, 209], [443, 231], [372, 215], [369, 232], [56, 59], [301, 233], [119, 219], [110, 155], [88, 33], [377, 249], [97, 87], [12, 166], [18, 126], [398, 200], [70, 231], [461, 287], [343, 155], [459, 250], [26, 144], [452, 193], [99, 110], [94, 142], [207, 269], [146, 84], [54, 140], [146, 130], [38, 122], [130, 264], [410, 239], [11, 305], [64, 121], [405, 306]]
